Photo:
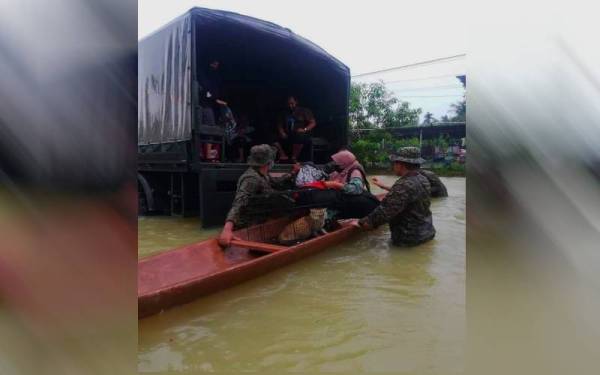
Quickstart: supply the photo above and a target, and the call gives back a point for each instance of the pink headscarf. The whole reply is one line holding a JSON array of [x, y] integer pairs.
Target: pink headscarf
[[346, 160]]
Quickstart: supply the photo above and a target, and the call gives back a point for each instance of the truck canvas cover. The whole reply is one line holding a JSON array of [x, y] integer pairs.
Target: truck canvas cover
[[164, 76], [256, 53]]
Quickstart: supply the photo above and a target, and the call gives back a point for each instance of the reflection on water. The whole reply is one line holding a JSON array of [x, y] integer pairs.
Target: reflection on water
[[360, 306]]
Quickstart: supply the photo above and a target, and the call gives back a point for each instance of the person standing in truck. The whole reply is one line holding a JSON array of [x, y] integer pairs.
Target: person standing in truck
[[211, 101], [211, 96], [293, 130]]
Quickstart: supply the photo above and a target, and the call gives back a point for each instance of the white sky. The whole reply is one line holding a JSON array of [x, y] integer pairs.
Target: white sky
[[365, 35]]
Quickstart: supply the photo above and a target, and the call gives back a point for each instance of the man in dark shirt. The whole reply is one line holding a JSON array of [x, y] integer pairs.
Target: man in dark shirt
[[294, 129], [406, 205]]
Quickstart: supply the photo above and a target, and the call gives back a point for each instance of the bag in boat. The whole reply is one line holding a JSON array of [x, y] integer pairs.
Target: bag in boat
[[308, 174]]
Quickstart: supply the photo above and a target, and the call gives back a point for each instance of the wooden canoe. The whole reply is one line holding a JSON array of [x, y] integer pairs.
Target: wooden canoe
[[182, 275]]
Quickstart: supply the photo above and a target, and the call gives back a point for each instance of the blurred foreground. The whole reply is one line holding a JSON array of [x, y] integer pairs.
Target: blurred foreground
[[67, 187], [533, 207]]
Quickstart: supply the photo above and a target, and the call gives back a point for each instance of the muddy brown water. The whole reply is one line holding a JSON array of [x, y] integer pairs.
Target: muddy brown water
[[363, 305]]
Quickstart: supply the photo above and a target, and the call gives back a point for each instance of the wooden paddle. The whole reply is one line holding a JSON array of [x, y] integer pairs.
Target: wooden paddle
[[260, 246]]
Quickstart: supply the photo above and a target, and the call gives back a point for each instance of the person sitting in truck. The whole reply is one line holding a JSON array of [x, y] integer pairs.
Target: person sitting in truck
[[294, 128], [254, 181]]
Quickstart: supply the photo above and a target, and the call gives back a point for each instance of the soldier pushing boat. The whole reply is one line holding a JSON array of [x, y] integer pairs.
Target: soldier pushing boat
[[406, 206]]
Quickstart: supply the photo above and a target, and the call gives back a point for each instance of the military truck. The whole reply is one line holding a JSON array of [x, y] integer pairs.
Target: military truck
[[261, 64]]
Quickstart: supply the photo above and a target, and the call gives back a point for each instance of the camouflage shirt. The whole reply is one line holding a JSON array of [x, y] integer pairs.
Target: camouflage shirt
[[437, 186], [406, 209], [251, 182]]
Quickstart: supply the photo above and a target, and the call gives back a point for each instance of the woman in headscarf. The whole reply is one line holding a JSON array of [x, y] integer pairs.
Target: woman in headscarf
[[348, 174], [349, 177]]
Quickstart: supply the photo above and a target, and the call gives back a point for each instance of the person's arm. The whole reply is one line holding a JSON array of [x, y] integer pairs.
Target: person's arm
[[280, 129], [226, 234], [285, 181], [393, 204], [233, 216], [311, 123], [380, 184], [356, 185]]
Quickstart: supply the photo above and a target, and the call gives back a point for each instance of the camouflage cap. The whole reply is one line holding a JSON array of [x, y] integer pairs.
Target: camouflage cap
[[411, 155], [261, 155]]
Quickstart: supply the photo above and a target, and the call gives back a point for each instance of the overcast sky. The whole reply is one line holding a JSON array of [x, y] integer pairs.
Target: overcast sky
[[365, 35]]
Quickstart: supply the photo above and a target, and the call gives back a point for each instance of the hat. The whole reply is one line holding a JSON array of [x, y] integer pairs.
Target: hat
[[261, 155], [411, 155]]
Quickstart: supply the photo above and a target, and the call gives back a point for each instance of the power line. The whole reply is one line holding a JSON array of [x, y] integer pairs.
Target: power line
[[428, 62], [427, 96], [441, 87], [423, 79]]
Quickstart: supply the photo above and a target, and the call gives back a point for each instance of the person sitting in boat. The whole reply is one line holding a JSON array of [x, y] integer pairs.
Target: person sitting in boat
[[438, 189], [255, 180], [349, 177], [406, 205]]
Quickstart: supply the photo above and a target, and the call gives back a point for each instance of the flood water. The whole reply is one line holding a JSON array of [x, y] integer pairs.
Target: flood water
[[363, 305]]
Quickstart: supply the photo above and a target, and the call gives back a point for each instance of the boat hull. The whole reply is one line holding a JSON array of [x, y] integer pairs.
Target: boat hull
[[182, 275]]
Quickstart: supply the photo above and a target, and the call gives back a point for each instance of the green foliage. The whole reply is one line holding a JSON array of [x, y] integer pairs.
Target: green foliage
[[367, 151], [375, 147], [373, 106], [428, 119], [460, 111], [441, 141], [374, 109]]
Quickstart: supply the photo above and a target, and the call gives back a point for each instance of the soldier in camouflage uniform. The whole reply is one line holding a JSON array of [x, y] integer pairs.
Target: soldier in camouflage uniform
[[406, 206], [438, 189], [255, 180]]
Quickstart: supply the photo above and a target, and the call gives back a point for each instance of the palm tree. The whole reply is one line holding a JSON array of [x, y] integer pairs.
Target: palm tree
[[428, 119]]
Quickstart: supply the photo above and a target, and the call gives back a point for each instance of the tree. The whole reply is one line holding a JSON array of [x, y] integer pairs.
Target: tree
[[428, 119], [372, 105], [460, 111]]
